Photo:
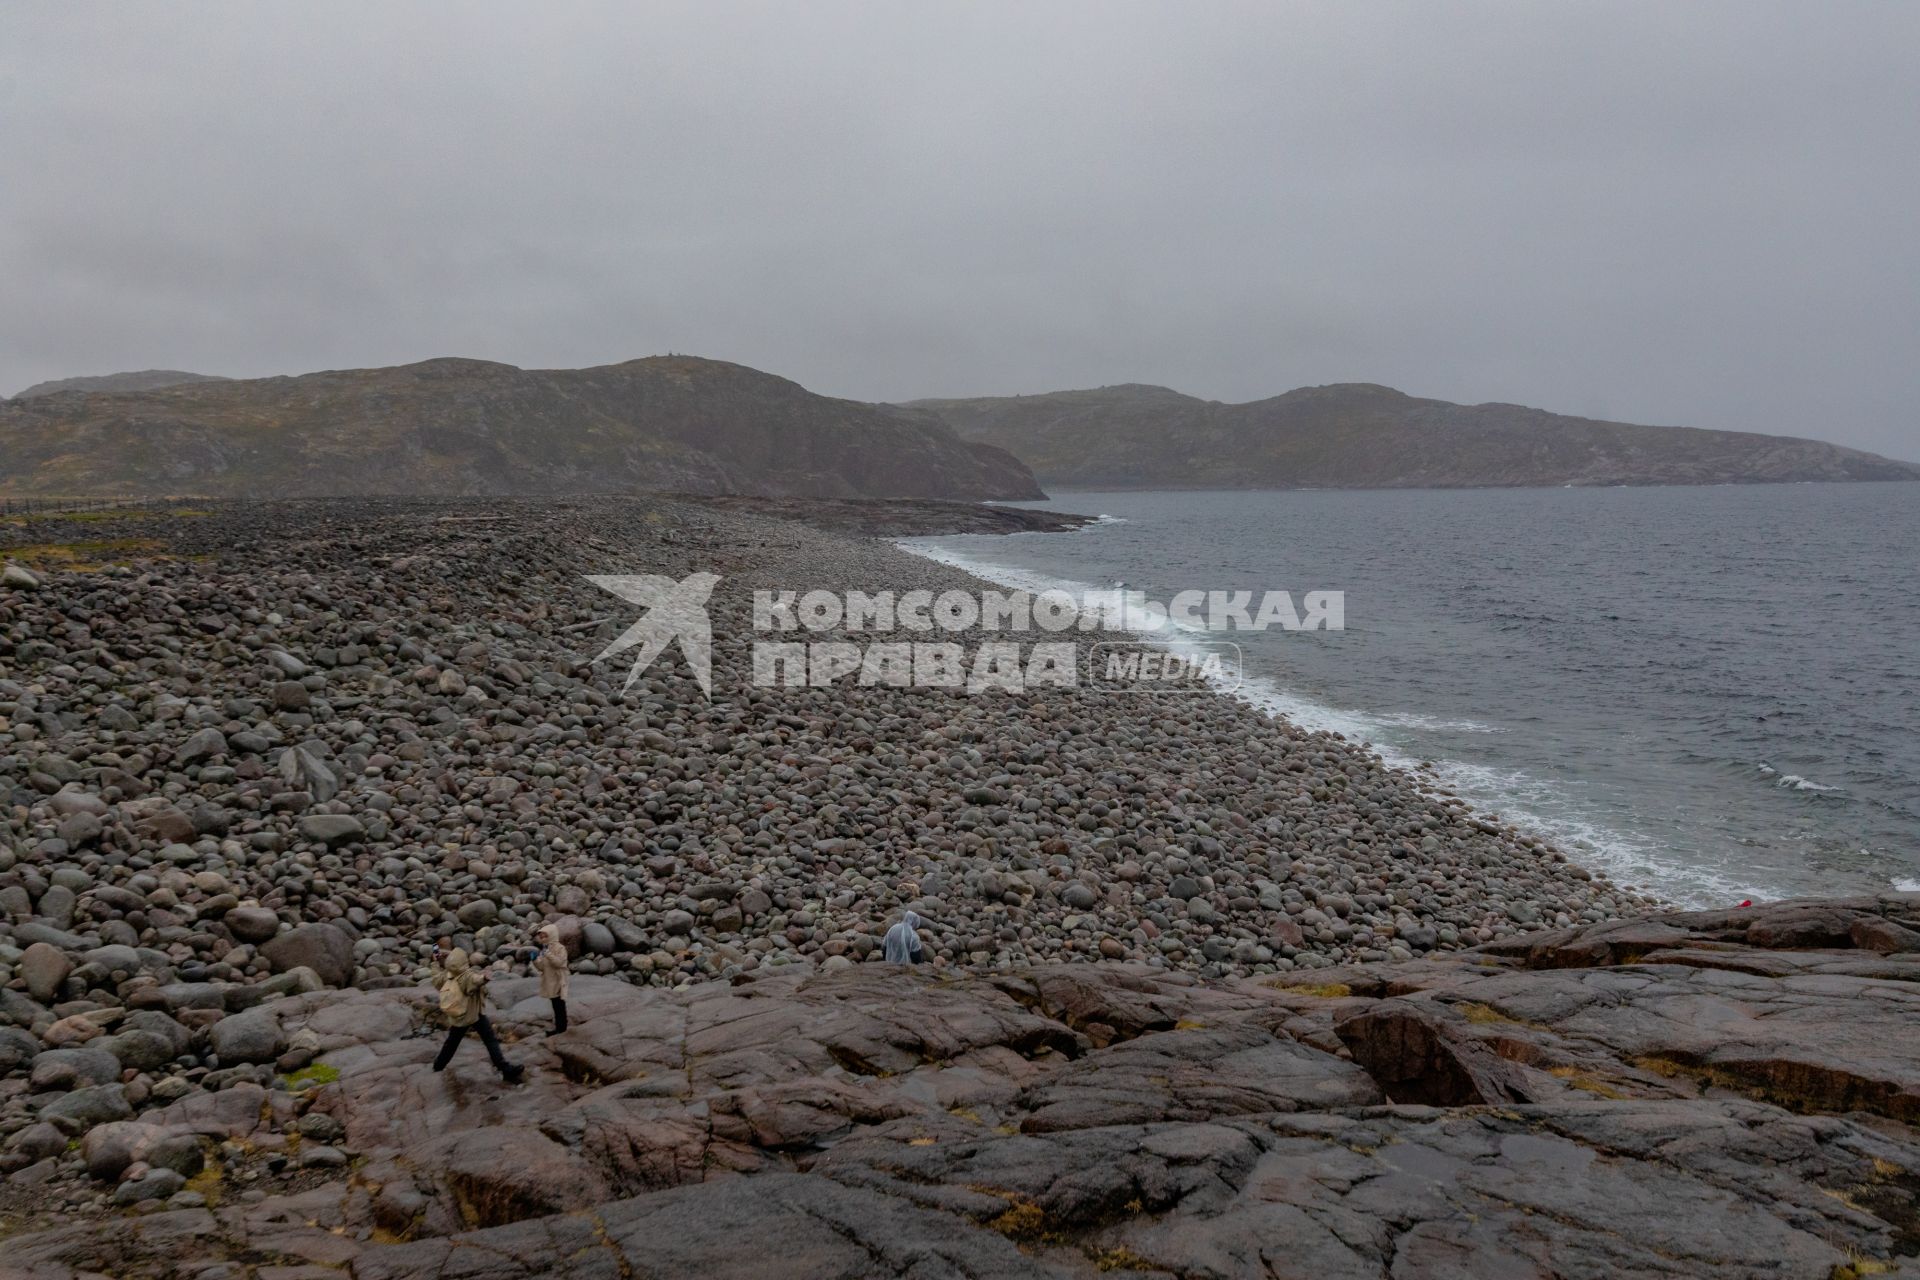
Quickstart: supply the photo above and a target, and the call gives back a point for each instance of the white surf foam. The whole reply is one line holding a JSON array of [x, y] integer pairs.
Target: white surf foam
[[1791, 781], [1521, 799]]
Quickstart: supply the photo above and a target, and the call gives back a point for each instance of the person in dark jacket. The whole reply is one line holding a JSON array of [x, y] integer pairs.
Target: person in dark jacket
[[463, 997]]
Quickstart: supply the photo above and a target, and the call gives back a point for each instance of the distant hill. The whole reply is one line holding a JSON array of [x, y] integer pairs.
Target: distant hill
[[145, 380], [454, 426], [1361, 436]]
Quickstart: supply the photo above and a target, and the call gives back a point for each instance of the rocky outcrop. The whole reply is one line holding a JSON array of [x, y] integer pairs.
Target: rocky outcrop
[[455, 426], [1669, 1097], [1363, 436]]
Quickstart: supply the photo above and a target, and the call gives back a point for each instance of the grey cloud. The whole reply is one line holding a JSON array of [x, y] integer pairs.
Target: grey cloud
[[1693, 213]]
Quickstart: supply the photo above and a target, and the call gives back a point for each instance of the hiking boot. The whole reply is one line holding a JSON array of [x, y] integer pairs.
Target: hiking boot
[[512, 1072]]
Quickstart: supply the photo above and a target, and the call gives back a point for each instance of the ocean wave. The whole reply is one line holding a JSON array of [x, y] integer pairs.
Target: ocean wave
[[1528, 802], [1798, 783], [1906, 886], [1793, 781], [1434, 724], [1114, 602]]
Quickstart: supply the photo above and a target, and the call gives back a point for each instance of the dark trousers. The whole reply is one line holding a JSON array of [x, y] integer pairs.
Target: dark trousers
[[456, 1034], [559, 1015]]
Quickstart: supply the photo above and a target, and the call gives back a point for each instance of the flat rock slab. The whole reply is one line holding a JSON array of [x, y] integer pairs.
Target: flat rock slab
[[1657, 1099]]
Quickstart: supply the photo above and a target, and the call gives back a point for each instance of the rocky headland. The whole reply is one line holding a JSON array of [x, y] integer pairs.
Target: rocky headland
[[1213, 994], [1359, 435]]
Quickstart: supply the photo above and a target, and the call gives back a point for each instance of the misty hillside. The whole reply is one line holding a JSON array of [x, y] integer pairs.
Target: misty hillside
[[1359, 435], [453, 426], [143, 380]]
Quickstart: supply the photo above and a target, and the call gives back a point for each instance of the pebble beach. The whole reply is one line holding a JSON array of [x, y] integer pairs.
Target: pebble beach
[[258, 756], [382, 717]]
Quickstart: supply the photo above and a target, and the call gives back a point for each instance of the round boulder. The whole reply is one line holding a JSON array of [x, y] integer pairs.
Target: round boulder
[[252, 924], [247, 1037], [44, 967], [323, 948]]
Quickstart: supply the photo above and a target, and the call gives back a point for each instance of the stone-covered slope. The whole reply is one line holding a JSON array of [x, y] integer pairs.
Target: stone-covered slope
[[1715, 1094]]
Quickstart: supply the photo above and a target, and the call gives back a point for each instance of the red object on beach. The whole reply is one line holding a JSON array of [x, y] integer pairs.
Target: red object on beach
[[1746, 902]]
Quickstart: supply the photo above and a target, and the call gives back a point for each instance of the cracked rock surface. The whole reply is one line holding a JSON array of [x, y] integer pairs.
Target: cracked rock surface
[[1699, 1094]]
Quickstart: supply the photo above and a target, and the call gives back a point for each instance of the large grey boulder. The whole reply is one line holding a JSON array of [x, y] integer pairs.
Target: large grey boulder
[[326, 949], [146, 1040], [109, 1148], [251, 924], [332, 829], [247, 1037], [82, 1109], [57, 1069], [155, 1184], [44, 968], [202, 746], [17, 1048], [308, 766]]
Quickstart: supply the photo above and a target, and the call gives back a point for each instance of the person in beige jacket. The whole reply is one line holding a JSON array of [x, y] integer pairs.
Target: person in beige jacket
[[550, 962], [463, 1001]]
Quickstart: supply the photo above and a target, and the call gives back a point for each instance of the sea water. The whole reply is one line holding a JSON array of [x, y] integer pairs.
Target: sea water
[[1709, 693]]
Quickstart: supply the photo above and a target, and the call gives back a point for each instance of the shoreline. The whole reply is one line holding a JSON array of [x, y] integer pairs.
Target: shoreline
[[1300, 847], [1266, 695], [351, 726]]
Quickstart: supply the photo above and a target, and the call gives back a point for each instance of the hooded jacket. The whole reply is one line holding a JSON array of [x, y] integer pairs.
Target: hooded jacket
[[902, 944], [462, 989], [551, 964]]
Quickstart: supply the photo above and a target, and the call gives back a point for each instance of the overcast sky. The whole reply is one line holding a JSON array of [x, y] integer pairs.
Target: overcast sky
[[1696, 213]]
